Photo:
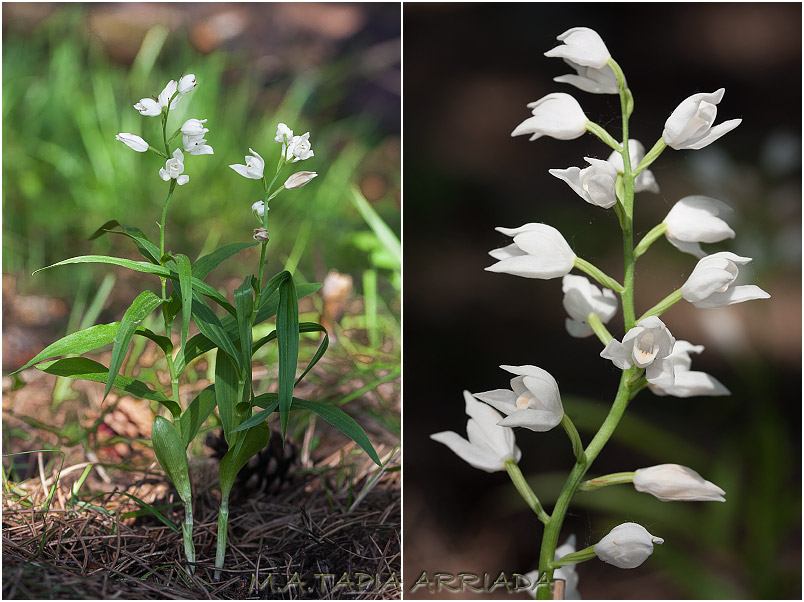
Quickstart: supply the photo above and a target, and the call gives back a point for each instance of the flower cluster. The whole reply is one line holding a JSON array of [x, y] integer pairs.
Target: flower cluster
[[648, 354], [192, 131]]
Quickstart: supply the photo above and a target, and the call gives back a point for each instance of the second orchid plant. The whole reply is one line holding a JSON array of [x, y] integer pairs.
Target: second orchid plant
[[229, 336], [648, 354]]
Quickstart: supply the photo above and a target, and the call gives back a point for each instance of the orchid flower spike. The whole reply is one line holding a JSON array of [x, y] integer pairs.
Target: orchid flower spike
[[690, 125], [174, 168], [532, 402], [689, 383], [253, 168], [582, 298], [626, 546], [538, 251], [711, 283], [489, 446], [151, 108], [695, 219], [636, 152], [647, 345], [675, 483], [594, 184], [557, 115]]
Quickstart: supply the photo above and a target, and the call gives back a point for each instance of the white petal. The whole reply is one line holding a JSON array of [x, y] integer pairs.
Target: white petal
[[502, 399], [535, 420], [181, 180], [618, 354]]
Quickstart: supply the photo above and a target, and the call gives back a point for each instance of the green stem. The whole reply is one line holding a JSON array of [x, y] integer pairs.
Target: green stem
[[617, 478], [649, 239], [663, 305], [223, 526], [525, 491], [187, 535], [575, 438], [652, 155], [598, 274], [575, 557], [599, 329], [600, 132]]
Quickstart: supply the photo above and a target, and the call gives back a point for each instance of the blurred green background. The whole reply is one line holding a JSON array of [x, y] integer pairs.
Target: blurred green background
[[466, 88]]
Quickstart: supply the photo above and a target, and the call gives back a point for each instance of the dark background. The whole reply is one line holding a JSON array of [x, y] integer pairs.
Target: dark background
[[469, 73]]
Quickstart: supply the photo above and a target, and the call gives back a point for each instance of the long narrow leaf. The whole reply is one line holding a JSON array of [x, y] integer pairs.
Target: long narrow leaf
[[254, 440], [287, 328], [385, 235], [186, 284], [86, 369], [244, 304], [271, 305], [79, 342], [196, 413], [211, 327], [140, 309], [138, 266], [226, 381], [204, 265], [146, 248]]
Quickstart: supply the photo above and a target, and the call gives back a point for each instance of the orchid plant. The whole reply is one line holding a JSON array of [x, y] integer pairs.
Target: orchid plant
[[230, 337], [648, 354]]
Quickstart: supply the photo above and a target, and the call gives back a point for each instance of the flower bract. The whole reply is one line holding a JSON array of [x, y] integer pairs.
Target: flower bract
[[557, 115], [582, 298], [532, 402], [594, 184], [253, 168], [488, 445], [676, 483], [696, 219], [711, 283], [538, 251], [647, 345], [690, 126], [626, 546]]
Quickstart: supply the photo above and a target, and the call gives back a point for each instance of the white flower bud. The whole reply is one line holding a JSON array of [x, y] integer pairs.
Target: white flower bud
[[557, 115], [690, 125], [675, 483], [187, 83], [299, 179], [693, 220], [194, 127], [627, 546], [259, 208], [582, 46], [132, 141], [582, 298], [711, 283], [594, 184], [538, 251]]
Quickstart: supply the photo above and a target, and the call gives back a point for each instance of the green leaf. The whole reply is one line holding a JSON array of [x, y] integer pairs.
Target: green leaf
[[141, 308], [196, 413], [255, 439], [86, 369], [150, 510], [186, 285], [137, 266], [244, 304], [287, 328], [204, 265], [78, 342], [211, 327], [226, 387], [269, 306], [164, 343], [385, 235], [341, 421], [146, 248], [336, 417], [172, 456], [322, 346]]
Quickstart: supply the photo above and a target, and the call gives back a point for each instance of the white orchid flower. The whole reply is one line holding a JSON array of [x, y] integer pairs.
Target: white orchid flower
[[557, 115], [636, 152], [647, 345], [174, 168], [626, 546], [186, 83], [259, 208], [299, 179], [689, 383], [594, 184], [582, 298], [711, 283], [690, 125], [489, 446], [693, 220], [299, 148], [589, 79], [151, 108], [676, 483], [253, 168], [194, 127], [133, 141], [538, 251], [532, 402], [582, 46], [568, 573]]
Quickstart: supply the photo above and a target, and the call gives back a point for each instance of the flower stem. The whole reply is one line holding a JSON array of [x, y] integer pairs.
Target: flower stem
[[598, 274], [575, 557], [187, 535], [663, 305], [617, 478], [647, 240], [652, 155], [575, 438], [600, 132], [599, 329], [525, 491], [223, 525]]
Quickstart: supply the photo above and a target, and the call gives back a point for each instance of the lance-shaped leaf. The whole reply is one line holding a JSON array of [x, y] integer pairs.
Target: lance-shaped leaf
[[255, 439], [303, 327], [227, 378], [196, 413], [141, 308], [270, 305], [244, 304], [146, 248], [170, 451], [336, 417], [79, 342], [204, 265], [211, 327], [186, 287], [86, 369], [287, 328]]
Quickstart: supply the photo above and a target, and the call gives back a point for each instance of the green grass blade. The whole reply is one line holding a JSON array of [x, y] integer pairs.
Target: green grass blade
[[385, 235], [86, 369], [150, 510], [142, 306]]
